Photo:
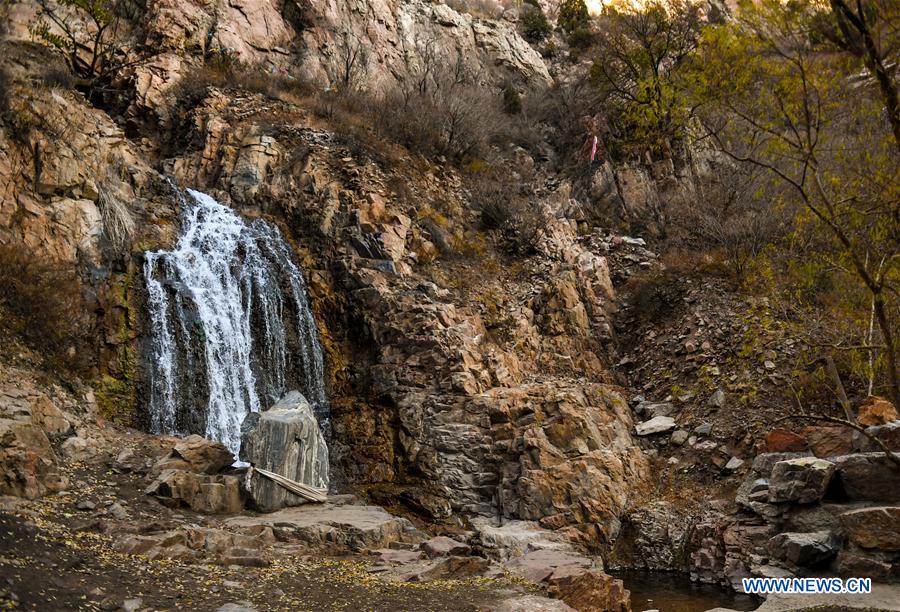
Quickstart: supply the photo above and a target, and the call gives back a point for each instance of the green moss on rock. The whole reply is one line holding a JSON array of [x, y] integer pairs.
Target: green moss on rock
[[115, 399]]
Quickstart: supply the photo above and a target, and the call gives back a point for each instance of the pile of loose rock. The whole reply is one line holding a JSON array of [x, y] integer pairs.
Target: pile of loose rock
[[824, 500], [834, 512]]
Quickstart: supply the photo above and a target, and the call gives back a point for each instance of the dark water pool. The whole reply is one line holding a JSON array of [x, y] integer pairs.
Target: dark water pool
[[671, 592]]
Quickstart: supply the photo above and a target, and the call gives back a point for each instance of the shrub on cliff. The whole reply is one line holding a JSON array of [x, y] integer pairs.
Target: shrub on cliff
[[512, 100], [4, 91], [573, 15], [504, 208], [535, 26], [39, 302], [442, 111], [581, 38]]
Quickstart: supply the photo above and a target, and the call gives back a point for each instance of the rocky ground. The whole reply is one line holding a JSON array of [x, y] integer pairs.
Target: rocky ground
[[48, 564], [63, 553], [110, 518]]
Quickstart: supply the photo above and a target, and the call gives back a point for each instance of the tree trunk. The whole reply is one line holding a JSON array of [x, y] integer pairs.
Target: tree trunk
[[838, 387], [890, 349], [872, 58]]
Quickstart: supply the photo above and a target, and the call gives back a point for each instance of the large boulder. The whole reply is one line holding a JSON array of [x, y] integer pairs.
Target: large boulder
[[654, 537], [199, 492], [335, 525], [29, 425], [48, 417], [192, 543], [877, 527], [888, 434], [756, 482], [197, 454], [457, 568], [801, 480], [592, 591], [850, 564], [27, 462], [819, 517], [876, 411], [658, 424], [287, 440], [784, 441], [542, 565], [442, 546], [831, 441], [764, 463], [804, 549], [868, 477], [532, 603], [516, 538]]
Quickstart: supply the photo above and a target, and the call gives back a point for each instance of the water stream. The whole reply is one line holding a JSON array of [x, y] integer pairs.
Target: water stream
[[231, 329]]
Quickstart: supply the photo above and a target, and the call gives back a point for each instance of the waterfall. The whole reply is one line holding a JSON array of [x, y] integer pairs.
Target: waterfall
[[231, 329]]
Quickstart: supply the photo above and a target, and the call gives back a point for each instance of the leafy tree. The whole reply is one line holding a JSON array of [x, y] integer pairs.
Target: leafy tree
[[638, 71], [573, 15], [779, 97]]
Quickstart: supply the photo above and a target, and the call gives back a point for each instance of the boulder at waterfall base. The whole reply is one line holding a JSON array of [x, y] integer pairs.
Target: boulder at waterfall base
[[286, 440]]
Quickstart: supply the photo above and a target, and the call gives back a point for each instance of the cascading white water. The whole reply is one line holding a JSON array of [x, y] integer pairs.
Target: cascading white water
[[231, 328]]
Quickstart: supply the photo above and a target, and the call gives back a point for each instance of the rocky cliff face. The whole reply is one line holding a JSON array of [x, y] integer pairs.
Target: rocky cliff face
[[398, 40], [458, 385], [489, 420], [79, 196], [361, 44]]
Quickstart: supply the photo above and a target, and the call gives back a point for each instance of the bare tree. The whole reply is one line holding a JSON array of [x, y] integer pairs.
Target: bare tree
[[733, 213], [90, 34], [442, 108], [352, 56]]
